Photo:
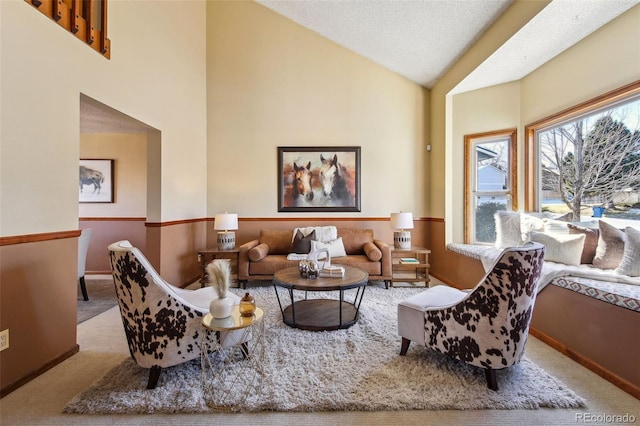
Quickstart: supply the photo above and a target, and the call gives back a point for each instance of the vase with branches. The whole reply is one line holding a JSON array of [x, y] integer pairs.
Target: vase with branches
[[219, 277]]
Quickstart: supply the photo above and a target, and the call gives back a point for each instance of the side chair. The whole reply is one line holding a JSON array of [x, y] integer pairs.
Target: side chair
[[486, 327], [83, 247], [162, 322]]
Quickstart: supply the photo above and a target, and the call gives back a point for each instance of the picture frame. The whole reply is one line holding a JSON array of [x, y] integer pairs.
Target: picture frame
[[319, 179], [96, 181]]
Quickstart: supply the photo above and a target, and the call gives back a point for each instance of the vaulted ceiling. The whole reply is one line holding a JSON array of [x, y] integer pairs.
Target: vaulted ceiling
[[421, 39]]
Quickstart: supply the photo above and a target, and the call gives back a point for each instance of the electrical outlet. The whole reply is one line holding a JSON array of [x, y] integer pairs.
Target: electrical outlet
[[4, 339]]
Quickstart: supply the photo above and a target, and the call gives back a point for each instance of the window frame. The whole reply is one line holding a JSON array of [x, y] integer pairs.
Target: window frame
[[531, 151], [470, 171]]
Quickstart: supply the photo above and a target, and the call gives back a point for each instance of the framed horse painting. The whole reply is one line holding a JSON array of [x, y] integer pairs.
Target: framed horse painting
[[319, 179], [96, 181]]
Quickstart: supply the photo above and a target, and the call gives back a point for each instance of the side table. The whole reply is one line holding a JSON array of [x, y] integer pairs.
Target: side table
[[232, 359], [410, 272], [207, 255]]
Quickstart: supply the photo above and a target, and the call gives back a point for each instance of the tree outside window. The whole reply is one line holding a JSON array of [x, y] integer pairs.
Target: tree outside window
[[591, 162]]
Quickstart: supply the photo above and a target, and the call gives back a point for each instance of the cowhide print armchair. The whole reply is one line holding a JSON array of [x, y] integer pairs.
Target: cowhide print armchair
[[162, 322], [487, 326]]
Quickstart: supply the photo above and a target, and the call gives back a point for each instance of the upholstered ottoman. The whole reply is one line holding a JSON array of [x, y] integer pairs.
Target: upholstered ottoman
[[411, 310]]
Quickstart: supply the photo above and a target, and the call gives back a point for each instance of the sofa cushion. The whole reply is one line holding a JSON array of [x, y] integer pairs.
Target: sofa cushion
[[258, 252], [271, 264], [630, 263], [301, 244], [590, 241], [278, 240], [559, 248], [610, 247], [355, 239], [373, 252], [360, 261]]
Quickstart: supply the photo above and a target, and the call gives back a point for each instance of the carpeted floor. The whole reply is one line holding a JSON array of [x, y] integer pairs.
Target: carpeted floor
[[354, 369], [102, 296]]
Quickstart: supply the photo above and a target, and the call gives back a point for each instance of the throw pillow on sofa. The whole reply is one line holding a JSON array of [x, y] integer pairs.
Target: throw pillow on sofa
[[322, 233], [610, 247], [258, 252], [335, 247], [301, 244], [630, 263], [373, 252]]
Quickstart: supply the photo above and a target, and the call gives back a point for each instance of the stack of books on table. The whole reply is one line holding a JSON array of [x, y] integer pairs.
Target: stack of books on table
[[330, 271], [408, 260]]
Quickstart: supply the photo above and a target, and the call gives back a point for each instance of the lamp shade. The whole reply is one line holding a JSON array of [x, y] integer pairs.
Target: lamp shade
[[226, 221], [402, 220]]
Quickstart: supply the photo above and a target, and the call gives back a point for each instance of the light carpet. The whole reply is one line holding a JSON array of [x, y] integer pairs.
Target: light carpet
[[354, 369]]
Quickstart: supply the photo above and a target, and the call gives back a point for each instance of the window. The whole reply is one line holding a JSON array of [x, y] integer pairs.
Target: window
[[586, 160], [490, 182], [86, 19]]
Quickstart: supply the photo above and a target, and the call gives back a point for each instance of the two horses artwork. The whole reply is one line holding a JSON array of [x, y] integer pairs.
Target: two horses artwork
[[327, 183]]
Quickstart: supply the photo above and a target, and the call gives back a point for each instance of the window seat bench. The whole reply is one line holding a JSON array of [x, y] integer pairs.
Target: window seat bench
[[589, 314]]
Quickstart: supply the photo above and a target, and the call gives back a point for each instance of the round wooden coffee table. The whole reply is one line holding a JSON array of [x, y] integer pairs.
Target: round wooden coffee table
[[320, 314]]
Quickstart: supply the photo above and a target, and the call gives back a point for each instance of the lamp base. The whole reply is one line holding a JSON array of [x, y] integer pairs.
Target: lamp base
[[402, 240], [226, 240]]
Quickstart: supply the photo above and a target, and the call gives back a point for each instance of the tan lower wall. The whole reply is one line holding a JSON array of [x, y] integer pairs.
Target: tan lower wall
[[107, 231], [38, 291], [602, 336], [449, 267]]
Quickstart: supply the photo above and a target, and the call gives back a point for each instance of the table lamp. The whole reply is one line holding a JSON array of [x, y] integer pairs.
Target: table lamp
[[402, 221], [227, 223]]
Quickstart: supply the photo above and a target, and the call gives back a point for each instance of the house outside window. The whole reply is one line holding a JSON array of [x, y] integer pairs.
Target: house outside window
[[586, 161], [490, 182]]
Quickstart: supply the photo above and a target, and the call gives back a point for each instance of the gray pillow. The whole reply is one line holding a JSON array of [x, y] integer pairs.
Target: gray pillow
[[610, 247]]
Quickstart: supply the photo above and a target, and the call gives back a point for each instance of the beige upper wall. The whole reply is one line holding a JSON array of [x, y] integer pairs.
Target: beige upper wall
[[274, 83], [156, 74], [129, 152], [607, 59]]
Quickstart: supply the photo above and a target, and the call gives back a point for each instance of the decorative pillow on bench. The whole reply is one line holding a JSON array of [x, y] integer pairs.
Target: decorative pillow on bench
[[565, 249], [610, 247], [630, 263]]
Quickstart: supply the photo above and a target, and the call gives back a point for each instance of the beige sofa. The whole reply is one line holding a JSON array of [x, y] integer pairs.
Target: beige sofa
[[260, 259]]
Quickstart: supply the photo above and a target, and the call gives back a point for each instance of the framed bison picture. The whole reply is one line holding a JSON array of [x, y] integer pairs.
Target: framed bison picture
[[319, 179], [96, 181]]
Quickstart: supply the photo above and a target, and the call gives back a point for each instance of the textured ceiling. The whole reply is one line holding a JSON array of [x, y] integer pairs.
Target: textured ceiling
[[421, 39], [417, 39]]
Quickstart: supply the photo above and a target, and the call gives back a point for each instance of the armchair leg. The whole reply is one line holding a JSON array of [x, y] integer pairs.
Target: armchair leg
[[154, 375], [405, 346], [492, 381], [83, 288]]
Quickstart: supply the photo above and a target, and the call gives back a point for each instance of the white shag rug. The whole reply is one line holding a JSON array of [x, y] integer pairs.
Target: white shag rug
[[354, 369]]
